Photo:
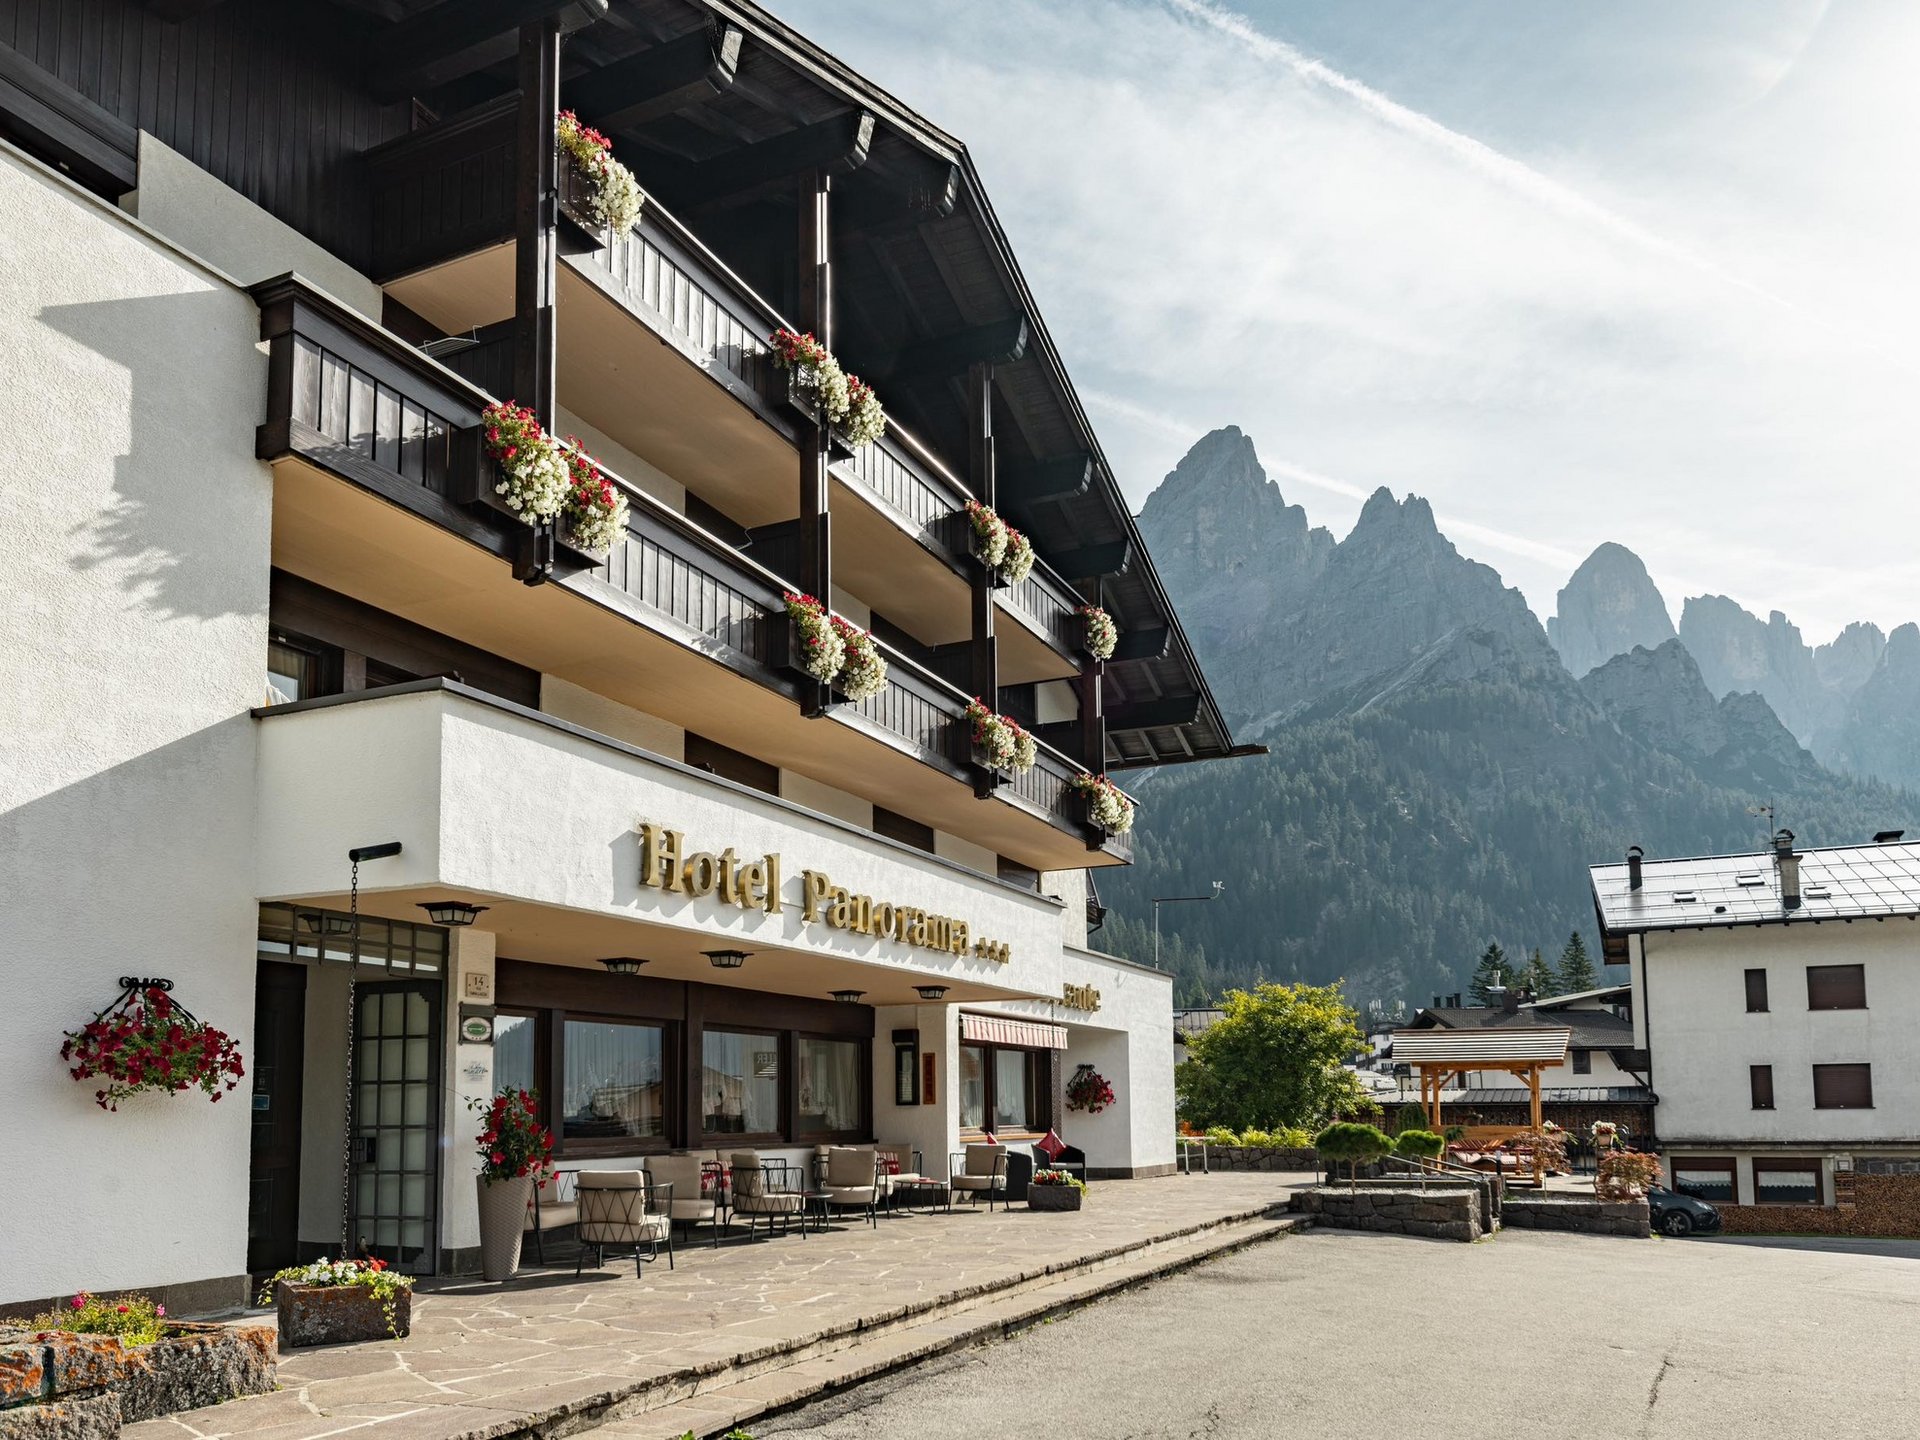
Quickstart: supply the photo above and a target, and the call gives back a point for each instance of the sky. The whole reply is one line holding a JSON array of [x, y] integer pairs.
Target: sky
[[1635, 271]]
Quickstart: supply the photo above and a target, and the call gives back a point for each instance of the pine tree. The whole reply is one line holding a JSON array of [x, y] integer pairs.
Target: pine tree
[[1493, 970], [1576, 969], [1539, 977]]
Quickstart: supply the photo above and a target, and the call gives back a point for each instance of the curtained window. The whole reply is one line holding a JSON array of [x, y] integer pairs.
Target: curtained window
[[614, 1085]]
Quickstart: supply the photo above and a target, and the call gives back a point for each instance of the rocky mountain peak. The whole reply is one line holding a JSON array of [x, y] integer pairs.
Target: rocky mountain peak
[[1847, 662], [1608, 606], [1738, 651], [1880, 735]]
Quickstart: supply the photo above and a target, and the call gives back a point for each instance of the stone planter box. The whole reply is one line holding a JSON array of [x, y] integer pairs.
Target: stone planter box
[[337, 1315], [59, 1386], [1054, 1197]]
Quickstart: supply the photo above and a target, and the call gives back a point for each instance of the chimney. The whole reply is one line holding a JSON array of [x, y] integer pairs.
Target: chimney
[[1510, 999], [1633, 867], [1453, 1000], [1436, 1002], [1498, 993], [1789, 866]]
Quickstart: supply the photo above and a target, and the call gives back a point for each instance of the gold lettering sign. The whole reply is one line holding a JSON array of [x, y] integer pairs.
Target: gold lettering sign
[[1080, 997], [666, 864]]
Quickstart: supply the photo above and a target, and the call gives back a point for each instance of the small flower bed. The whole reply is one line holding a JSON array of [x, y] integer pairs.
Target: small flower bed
[[1000, 741], [1098, 634], [1090, 1091], [615, 196], [1019, 562], [134, 1318], [595, 512], [991, 534], [512, 1143], [863, 673], [386, 1286], [1108, 804], [823, 651], [1057, 1178], [846, 401], [147, 1041], [534, 479]]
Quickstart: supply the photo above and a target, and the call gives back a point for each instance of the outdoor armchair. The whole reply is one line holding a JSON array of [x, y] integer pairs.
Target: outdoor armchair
[[691, 1203], [550, 1207], [765, 1191], [620, 1211], [980, 1170], [852, 1179]]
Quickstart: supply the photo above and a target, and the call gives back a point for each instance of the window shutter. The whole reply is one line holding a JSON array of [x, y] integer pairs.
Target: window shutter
[[1756, 991], [1843, 1087], [1760, 1079], [1836, 987]]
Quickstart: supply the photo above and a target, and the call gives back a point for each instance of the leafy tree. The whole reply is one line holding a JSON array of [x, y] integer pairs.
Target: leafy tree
[[1354, 1143], [1493, 970], [1419, 1145], [1273, 1059], [1538, 976], [1576, 969]]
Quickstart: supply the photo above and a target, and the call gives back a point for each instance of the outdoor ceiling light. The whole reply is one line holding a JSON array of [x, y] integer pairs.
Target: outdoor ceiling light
[[623, 964], [727, 959], [322, 922], [849, 997], [452, 912], [930, 992]]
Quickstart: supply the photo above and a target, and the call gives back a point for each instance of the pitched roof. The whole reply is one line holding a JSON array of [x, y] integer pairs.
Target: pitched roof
[[1605, 992], [1552, 1095], [1705, 891], [1472, 1048], [1590, 1029]]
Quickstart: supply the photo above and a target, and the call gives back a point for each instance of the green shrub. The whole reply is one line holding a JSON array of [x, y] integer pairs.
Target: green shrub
[[1354, 1143], [1453, 1133], [134, 1318], [1220, 1135], [1255, 1139], [1409, 1117], [1419, 1145], [1293, 1138]]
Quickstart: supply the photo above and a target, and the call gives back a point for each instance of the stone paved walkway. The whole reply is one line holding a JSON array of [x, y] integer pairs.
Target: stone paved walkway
[[557, 1352]]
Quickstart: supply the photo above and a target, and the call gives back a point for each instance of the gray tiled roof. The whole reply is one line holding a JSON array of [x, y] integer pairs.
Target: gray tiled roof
[[1838, 882], [1592, 1029]]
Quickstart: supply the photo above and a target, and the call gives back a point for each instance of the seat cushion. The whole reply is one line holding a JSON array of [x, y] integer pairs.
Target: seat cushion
[[767, 1204], [692, 1210], [552, 1217], [978, 1182], [850, 1194], [850, 1165]]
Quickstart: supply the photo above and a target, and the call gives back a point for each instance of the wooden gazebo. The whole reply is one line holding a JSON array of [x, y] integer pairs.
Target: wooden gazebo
[[1435, 1056]]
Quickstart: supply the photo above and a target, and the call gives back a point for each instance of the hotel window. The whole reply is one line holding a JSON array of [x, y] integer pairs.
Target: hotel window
[[1836, 987], [1583, 1062], [730, 764], [1760, 1083], [296, 670], [1756, 992], [1781, 1181], [1706, 1179], [740, 1084], [1002, 1088], [612, 1081], [894, 826], [1843, 1087], [829, 1087], [516, 1054]]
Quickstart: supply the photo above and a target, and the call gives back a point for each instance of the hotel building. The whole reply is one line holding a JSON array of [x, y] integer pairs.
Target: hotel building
[[266, 265]]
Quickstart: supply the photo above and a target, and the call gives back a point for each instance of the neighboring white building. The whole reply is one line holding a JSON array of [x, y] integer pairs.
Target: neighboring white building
[[265, 611], [1773, 994]]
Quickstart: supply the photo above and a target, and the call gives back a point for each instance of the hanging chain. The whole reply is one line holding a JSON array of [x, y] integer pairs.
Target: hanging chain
[[346, 1144]]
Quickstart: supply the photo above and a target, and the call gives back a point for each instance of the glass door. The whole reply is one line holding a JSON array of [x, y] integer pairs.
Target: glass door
[[396, 1123]]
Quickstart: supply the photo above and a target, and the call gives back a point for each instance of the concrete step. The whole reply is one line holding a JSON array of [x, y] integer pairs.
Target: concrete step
[[720, 1402]]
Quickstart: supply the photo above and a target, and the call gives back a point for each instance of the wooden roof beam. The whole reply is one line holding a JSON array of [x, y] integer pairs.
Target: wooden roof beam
[[1155, 714], [1001, 342], [920, 190], [1060, 478], [659, 80], [837, 146], [1094, 561], [457, 37]]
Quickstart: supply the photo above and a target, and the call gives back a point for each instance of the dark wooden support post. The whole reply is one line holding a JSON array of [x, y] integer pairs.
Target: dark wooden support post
[[980, 474], [536, 252], [816, 314]]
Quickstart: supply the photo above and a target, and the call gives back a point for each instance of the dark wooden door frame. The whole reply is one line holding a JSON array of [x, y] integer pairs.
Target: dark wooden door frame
[[273, 1164]]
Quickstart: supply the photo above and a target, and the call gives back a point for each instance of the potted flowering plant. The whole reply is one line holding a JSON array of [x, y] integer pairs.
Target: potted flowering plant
[[814, 646], [514, 1152], [333, 1302], [594, 517], [990, 535], [1055, 1190], [612, 196], [1098, 634], [865, 420], [148, 1041], [820, 388], [1108, 806], [1018, 563], [531, 479], [1089, 1090], [863, 671], [1000, 744]]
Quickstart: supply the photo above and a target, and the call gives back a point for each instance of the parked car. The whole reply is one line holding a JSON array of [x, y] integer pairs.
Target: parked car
[[1680, 1215]]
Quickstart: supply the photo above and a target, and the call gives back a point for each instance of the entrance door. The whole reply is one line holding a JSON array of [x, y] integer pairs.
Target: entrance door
[[278, 1061], [396, 1123]]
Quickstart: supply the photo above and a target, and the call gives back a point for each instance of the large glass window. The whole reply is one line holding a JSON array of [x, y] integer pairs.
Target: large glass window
[[613, 1083], [973, 1087], [1706, 1179], [1786, 1182], [740, 1083], [1012, 1089], [514, 1052], [828, 1074]]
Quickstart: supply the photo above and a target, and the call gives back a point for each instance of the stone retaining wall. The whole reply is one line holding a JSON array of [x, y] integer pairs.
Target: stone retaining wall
[[1583, 1215], [1868, 1206], [1248, 1157], [59, 1386], [1438, 1214]]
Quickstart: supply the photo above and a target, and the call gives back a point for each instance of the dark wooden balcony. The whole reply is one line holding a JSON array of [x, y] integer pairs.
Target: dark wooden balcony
[[350, 401]]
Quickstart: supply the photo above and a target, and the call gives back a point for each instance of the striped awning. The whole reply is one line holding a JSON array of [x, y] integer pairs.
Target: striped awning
[[1465, 1049], [999, 1030]]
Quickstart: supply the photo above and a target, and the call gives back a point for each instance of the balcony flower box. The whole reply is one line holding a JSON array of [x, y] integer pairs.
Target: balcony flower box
[[339, 1314], [597, 192]]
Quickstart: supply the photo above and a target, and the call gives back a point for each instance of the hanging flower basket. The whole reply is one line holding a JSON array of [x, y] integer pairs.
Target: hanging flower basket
[[146, 1040], [1000, 745], [1089, 1090], [1018, 563], [594, 518], [528, 477], [821, 390], [863, 671], [988, 535], [814, 647], [1098, 634], [1109, 808], [596, 185]]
